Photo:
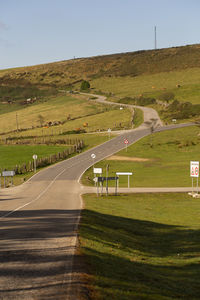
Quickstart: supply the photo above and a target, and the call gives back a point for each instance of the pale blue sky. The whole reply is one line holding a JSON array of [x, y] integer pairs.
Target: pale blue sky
[[40, 31]]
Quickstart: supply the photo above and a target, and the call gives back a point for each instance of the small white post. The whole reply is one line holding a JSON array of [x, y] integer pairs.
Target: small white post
[[192, 186], [128, 182]]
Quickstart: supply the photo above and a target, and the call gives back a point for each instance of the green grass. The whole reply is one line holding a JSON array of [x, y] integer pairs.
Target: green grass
[[81, 111], [168, 160], [12, 155], [142, 246], [153, 85], [18, 154]]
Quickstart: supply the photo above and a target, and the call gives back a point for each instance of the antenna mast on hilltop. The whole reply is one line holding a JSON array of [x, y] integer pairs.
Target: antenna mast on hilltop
[[155, 37]]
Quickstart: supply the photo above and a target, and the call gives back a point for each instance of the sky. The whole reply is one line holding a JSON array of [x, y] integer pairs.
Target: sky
[[41, 31]]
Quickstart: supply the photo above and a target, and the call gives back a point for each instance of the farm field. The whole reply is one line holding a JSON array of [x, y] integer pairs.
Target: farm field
[[141, 246], [12, 154], [152, 85], [165, 164], [71, 112]]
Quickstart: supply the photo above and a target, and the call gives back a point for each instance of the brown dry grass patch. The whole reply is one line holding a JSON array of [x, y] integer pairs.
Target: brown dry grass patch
[[125, 158]]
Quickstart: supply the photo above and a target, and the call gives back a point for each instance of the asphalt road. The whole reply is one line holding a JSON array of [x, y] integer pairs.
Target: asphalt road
[[38, 224]]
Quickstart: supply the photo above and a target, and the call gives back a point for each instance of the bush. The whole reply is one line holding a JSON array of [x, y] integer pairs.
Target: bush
[[85, 85], [166, 96]]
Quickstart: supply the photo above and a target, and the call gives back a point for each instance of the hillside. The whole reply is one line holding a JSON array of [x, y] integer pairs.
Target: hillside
[[65, 73]]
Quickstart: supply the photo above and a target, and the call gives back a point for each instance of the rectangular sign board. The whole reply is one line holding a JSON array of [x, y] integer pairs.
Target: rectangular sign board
[[124, 173], [97, 170], [8, 173], [194, 169], [101, 179]]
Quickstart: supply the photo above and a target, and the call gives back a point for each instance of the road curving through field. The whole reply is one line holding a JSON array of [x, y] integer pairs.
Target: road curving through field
[[39, 222]]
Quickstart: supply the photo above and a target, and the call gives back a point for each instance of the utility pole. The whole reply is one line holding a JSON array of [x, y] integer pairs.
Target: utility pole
[[155, 37], [17, 122]]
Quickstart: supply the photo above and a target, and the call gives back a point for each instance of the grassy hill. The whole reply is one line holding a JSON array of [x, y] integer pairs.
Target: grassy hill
[[147, 74], [65, 73]]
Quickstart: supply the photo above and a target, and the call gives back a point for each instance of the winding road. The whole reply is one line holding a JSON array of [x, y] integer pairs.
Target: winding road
[[39, 222]]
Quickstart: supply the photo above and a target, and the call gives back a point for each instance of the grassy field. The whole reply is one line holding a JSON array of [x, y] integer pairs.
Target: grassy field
[[154, 85], [78, 109], [12, 155], [18, 154], [165, 164], [141, 246]]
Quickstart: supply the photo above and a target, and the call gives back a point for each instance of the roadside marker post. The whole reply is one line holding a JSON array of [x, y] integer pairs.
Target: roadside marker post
[[109, 131], [35, 161], [107, 169]]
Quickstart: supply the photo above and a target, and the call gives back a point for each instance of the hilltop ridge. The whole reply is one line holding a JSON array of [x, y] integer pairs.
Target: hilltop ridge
[[66, 73]]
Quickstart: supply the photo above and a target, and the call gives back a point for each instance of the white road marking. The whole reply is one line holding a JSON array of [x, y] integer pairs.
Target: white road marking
[[38, 197]]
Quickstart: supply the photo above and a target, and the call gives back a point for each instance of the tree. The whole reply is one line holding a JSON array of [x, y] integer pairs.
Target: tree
[[41, 120], [85, 85]]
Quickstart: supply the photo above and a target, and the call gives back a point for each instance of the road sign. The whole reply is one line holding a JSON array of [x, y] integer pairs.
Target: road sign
[[101, 179], [194, 169], [126, 141], [8, 173], [97, 170], [34, 156], [124, 173], [93, 155]]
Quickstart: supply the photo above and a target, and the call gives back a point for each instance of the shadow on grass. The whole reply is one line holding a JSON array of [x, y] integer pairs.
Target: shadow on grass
[[136, 259]]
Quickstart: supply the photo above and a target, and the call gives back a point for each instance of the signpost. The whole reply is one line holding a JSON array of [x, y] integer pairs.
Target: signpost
[[125, 173], [194, 172], [8, 174], [97, 170], [109, 131], [102, 179], [93, 156], [35, 161], [126, 143]]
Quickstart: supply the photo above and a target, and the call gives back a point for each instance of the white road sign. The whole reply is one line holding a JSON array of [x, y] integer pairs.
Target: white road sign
[[97, 170], [194, 169], [124, 173], [8, 173], [34, 156], [93, 155]]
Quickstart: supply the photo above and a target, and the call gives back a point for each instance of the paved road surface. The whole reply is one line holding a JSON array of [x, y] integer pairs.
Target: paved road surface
[[38, 223]]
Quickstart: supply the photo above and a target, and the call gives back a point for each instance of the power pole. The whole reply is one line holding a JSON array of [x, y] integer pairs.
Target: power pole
[[17, 122], [155, 37]]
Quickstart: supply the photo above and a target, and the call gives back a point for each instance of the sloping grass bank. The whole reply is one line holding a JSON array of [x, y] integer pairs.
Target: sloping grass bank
[[166, 163], [142, 246]]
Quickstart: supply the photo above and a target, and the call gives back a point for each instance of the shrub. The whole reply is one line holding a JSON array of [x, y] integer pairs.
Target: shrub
[[166, 96], [85, 85]]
